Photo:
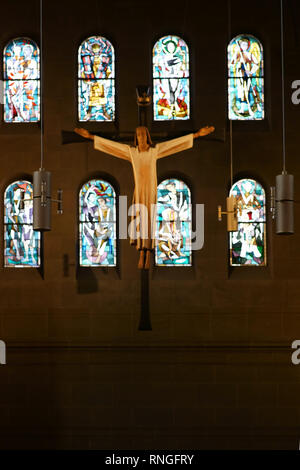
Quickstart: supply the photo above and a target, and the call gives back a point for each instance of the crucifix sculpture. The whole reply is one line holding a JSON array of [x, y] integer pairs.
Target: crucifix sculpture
[[143, 157]]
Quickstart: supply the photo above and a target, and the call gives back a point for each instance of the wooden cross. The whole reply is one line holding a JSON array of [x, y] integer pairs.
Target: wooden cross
[[143, 102]]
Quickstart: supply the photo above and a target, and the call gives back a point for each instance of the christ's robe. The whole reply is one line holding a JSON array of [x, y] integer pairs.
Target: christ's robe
[[145, 178]]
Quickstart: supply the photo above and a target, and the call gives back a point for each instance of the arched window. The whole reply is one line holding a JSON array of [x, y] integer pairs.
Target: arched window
[[96, 80], [245, 78], [21, 65], [171, 83], [173, 224], [248, 244], [97, 224], [21, 242]]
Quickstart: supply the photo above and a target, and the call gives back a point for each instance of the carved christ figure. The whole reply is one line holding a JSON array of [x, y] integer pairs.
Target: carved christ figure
[[143, 156]]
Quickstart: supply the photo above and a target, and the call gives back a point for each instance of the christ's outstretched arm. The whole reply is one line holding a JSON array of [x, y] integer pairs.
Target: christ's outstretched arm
[[204, 131], [170, 147], [105, 145]]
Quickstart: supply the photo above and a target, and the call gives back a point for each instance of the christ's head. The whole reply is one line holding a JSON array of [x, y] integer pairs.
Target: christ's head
[[142, 138]]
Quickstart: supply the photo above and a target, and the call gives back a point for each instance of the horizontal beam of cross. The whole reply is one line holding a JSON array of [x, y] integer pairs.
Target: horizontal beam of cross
[[70, 137]]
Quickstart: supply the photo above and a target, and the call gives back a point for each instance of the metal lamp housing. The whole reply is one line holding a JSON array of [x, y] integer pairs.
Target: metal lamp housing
[[232, 221], [284, 197], [42, 200]]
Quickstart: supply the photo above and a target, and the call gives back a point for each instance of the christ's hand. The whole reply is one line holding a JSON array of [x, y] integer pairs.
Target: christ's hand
[[84, 133], [204, 131]]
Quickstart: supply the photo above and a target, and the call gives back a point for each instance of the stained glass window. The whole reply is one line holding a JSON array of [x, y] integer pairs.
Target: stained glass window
[[173, 224], [21, 81], [171, 83], [21, 242], [245, 78], [248, 244], [96, 80], [97, 220]]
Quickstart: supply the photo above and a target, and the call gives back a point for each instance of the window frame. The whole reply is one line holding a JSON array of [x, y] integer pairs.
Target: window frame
[[39, 266], [186, 186], [80, 79], [189, 78], [261, 77], [265, 264], [105, 180], [5, 80]]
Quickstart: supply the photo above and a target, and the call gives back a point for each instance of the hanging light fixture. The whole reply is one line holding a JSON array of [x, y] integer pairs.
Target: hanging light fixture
[[282, 196], [42, 178], [231, 205]]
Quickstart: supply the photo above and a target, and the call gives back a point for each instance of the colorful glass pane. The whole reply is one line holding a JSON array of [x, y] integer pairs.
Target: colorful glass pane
[[96, 80], [171, 83], [97, 221], [173, 224], [248, 243], [21, 242], [21, 81], [245, 79]]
